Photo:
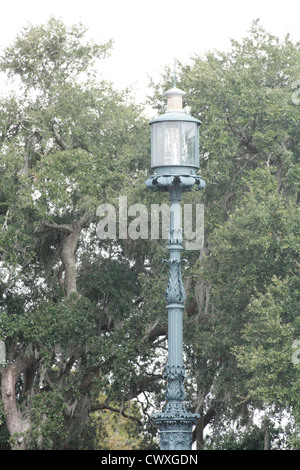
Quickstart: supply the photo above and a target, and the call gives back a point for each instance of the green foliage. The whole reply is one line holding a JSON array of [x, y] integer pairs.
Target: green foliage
[[115, 432], [267, 350], [4, 434], [259, 241], [49, 423], [252, 439], [46, 56], [67, 141]]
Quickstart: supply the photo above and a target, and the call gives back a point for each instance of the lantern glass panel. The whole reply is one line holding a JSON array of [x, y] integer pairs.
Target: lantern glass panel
[[188, 143], [172, 143], [157, 144]]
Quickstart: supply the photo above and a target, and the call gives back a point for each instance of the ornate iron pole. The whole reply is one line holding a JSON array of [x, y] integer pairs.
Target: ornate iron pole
[[175, 423]]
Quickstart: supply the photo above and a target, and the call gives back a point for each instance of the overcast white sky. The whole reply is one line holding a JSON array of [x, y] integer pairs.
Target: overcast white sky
[[148, 34]]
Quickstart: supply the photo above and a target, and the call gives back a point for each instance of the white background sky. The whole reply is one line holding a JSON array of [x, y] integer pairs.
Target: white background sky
[[148, 34]]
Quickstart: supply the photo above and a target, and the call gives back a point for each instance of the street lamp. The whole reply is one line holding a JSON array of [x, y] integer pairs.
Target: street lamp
[[175, 160]]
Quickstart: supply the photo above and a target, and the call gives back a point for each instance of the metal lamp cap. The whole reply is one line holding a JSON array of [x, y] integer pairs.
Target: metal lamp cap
[[174, 102]]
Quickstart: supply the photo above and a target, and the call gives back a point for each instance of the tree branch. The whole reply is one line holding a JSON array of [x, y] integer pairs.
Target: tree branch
[[57, 136], [105, 406], [61, 227]]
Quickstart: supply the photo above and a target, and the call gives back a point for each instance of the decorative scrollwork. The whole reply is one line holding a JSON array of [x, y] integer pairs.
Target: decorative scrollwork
[[175, 290], [175, 377], [164, 182], [174, 414], [176, 440], [176, 427]]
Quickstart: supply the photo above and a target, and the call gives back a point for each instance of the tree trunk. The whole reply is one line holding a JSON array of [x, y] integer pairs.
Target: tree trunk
[[71, 234], [19, 426], [199, 433], [69, 260], [266, 435]]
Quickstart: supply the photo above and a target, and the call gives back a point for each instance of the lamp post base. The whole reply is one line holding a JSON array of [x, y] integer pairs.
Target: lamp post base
[[175, 427], [175, 424]]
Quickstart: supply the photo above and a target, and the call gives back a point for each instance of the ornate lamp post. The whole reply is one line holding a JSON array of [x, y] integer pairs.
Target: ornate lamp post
[[175, 160]]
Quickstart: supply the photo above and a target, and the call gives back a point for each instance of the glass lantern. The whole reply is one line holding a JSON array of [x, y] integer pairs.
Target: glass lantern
[[175, 139]]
